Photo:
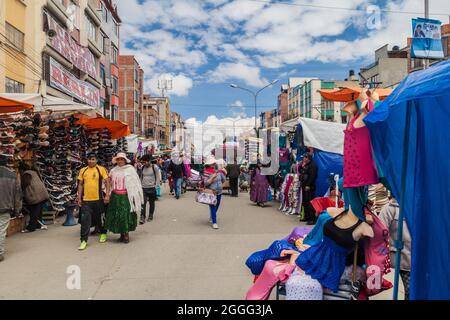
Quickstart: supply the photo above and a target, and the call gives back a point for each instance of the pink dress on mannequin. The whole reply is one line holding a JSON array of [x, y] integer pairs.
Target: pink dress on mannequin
[[359, 163]]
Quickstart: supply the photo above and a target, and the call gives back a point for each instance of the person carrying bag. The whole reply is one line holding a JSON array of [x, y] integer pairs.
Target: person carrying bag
[[211, 194]]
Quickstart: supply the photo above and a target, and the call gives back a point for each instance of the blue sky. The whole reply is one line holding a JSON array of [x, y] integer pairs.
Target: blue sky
[[204, 45]]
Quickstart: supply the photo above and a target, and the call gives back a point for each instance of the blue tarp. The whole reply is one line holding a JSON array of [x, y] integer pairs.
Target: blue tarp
[[327, 163], [427, 196]]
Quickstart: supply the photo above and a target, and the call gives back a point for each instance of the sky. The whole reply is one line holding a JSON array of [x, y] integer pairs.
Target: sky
[[205, 45]]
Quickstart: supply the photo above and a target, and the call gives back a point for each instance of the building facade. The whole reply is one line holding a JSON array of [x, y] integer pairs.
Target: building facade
[[282, 104], [388, 70], [131, 89], [158, 119], [177, 130], [52, 47], [109, 64]]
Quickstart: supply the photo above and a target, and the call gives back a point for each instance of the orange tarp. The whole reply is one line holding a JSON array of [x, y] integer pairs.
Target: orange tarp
[[8, 105], [117, 128], [350, 94]]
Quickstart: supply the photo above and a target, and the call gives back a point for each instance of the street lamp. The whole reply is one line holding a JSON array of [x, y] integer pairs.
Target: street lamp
[[255, 95]]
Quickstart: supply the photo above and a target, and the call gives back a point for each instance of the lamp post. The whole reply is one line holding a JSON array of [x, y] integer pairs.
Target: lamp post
[[255, 95]]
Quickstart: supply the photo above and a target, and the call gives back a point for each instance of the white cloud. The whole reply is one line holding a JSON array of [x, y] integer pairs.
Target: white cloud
[[180, 84], [238, 71]]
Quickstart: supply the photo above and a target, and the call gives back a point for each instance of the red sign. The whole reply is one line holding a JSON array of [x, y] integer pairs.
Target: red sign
[[80, 56], [65, 81]]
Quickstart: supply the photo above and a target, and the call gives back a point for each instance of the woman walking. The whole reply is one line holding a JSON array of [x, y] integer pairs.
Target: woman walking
[[213, 179], [126, 199], [150, 176], [259, 186]]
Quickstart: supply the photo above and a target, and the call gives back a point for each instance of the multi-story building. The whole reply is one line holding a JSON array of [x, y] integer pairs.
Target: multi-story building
[[159, 120], [151, 118], [52, 47], [293, 95], [283, 110], [177, 130], [131, 92], [388, 70], [418, 64], [20, 61], [109, 62]]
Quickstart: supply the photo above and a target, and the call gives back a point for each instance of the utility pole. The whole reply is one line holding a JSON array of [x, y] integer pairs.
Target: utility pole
[[427, 16]]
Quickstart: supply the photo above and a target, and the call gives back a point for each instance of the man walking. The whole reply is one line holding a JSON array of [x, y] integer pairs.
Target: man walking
[[177, 170], [150, 179], [91, 200], [309, 176], [233, 171], [10, 200]]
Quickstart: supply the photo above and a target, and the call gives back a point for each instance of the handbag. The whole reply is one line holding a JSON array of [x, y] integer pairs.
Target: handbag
[[158, 191], [269, 194], [206, 196]]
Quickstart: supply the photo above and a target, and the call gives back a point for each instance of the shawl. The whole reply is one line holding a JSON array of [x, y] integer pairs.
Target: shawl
[[133, 185]]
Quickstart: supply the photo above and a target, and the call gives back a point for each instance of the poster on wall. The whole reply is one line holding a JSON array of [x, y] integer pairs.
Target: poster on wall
[[426, 42], [63, 80]]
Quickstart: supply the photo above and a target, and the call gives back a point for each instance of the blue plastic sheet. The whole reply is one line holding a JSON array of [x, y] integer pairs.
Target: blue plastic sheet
[[327, 163], [427, 196]]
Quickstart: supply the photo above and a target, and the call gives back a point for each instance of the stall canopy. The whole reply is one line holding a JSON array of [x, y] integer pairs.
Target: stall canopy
[[350, 94], [117, 128], [323, 135], [410, 136], [48, 103], [9, 105]]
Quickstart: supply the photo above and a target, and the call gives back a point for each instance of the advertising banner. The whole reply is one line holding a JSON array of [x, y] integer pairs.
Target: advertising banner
[[426, 42], [63, 80]]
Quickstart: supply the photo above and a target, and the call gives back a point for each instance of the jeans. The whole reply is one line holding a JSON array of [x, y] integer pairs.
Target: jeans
[[91, 213], [234, 186], [213, 209], [150, 196], [4, 223], [35, 216], [178, 182]]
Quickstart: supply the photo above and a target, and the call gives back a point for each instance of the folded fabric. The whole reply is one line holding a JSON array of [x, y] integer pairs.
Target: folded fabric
[[298, 232], [257, 260]]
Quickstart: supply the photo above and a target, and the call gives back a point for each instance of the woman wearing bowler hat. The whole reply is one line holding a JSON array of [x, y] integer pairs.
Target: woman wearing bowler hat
[[126, 198]]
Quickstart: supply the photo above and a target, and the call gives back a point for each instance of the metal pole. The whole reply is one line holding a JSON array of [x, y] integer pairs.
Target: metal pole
[[427, 16], [399, 240]]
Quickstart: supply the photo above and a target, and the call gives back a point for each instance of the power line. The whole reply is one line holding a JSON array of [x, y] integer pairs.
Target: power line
[[220, 106], [342, 8], [17, 74], [26, 65]]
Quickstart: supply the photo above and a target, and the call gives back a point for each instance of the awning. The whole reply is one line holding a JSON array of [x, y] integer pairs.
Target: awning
[[117, 128], [9, 105], [350, 94], [43, 103], [322, 135]]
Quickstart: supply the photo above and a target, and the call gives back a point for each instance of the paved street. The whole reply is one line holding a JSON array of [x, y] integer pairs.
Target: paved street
[[176, 256]]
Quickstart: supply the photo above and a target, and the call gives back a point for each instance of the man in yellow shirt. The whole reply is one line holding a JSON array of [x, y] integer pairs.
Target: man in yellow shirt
[[91, 200]]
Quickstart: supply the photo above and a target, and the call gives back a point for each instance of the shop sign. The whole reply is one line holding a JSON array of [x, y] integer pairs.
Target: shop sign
[[63, 80], [80, 56]]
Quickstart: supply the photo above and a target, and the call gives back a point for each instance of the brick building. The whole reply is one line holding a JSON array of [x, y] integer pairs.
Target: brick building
[[131, 93]]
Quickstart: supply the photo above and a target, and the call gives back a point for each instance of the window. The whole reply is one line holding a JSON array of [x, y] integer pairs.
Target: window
[[104, 12], [136, 75], [101, 42], [136, 119], [136, 96], [445, 46], [91, 29], [115, 83], [14, 36], [13, 86], [114, 54], [116, 28], [102, 74]]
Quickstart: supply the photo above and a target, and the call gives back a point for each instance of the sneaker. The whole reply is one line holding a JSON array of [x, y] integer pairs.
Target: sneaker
[[150, 218], [102, 238], [82, 246], [215, 226]]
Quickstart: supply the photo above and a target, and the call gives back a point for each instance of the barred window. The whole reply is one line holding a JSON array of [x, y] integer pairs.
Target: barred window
[[13, 86], [14, 36]]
